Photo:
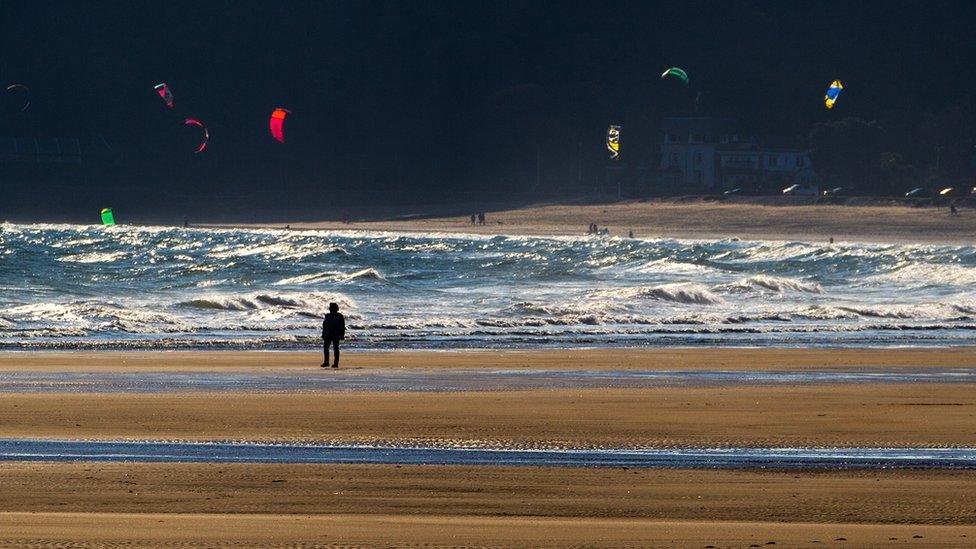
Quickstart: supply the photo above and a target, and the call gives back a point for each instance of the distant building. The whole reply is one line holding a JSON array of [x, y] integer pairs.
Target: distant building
[[710, 153]]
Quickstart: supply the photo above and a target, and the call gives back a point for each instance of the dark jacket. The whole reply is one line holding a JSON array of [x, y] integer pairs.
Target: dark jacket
[[334, 326]]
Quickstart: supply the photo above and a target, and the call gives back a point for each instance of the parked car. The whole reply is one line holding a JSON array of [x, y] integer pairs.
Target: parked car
[[834, 196], [801, 190], [918, 192], [735, 191]]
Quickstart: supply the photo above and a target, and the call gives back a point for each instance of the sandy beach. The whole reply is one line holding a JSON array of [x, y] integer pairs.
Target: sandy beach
[[181, 504], [706, 220], [734, 359], [234, 505], [838, 415]]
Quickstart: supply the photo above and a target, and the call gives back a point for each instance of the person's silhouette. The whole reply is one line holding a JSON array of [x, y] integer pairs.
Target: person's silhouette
[[333, 330]]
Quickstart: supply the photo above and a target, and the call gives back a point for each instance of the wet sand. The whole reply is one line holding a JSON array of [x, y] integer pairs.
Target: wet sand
[[584, 359], [712, 220], [825, 415], [143, 451], [52, 530], [237, 504], [153, 504]]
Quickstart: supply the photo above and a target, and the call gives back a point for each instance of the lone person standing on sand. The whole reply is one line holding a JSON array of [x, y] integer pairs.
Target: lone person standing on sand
[[333, 330]]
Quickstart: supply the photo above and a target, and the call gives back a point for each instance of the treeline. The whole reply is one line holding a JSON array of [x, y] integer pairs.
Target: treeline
[[899, 151]]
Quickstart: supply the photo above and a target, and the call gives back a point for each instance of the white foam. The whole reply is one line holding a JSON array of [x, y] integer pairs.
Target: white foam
[[686, 293], [776, 284], [93, 257], [333, 276]]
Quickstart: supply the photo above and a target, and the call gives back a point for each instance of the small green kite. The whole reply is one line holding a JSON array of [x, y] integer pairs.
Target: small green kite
[[675, 72]]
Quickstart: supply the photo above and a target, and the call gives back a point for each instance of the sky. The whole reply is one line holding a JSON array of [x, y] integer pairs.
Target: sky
[[417, 99]]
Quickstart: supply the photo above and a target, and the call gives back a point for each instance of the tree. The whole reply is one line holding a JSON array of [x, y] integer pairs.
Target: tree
[[847, 152]]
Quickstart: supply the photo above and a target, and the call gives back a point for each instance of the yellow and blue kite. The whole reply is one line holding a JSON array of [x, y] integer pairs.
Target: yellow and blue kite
[[833, 92]]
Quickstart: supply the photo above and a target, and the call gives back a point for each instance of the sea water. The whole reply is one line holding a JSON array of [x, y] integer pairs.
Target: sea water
[[64, 286], [696, 458]]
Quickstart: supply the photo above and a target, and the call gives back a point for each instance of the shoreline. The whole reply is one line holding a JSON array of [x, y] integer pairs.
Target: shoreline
[[690, 221]]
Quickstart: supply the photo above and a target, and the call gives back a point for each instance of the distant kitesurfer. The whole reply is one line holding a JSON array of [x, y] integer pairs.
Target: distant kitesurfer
[[333, 330], [952, 209]]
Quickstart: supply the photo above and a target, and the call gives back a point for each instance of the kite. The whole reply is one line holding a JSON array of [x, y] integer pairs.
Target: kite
[[833, 92], [165, 94], [206, 134], [107, 217], [23, 90], [613, 142], [277, 122], [675, 72]]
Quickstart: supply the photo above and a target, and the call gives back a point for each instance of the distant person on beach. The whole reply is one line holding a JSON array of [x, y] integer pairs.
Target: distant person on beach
[[481, 218], [333, 331], [952, 209], [473, 219], [631, 234]]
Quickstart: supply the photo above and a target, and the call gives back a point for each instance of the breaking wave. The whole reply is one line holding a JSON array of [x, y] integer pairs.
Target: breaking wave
[[313, 303], [64, 286], [676, 293], [331, 276], [776, 284]]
